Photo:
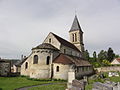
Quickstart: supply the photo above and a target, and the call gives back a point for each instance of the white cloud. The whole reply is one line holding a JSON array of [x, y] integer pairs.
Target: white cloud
[[25, 23]]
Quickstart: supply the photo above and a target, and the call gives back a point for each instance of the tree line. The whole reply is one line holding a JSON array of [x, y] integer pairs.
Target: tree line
[[103, 58]]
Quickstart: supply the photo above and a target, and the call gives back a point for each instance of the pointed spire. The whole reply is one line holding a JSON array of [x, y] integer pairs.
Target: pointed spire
[[75, 25]]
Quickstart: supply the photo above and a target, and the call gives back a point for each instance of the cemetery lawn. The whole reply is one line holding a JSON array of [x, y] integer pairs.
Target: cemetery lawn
[[89, 86], [11, 83]]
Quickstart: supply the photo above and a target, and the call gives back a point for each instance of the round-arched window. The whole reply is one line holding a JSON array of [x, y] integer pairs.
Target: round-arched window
[[26, 65], [57, 69], [48, 60], [35, 59]]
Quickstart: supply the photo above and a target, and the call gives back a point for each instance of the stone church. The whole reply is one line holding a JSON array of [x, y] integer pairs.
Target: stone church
[[55, 57]]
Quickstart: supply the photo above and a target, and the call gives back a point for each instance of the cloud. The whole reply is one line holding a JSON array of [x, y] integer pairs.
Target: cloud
[[25, 23]]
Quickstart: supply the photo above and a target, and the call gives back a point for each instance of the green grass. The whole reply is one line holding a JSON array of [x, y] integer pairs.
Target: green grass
[[11, 83], [50, 87], [115, 79]]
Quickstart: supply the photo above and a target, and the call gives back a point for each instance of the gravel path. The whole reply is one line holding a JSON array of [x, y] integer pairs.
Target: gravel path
[[27, 87]]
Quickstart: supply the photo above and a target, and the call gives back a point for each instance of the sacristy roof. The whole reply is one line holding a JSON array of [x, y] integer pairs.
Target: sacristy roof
[[66, 59]]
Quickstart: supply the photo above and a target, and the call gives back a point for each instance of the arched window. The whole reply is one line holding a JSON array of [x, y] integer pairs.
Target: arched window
[[48, 60], [26, 65], [57, 69], [75, 37], [35, 59]]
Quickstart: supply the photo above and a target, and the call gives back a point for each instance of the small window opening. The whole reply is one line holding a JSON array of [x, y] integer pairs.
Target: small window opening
[[64, 51], [75, 37], [48, 60], [57, 69], [50, 40], [26, 65], [35, 60]]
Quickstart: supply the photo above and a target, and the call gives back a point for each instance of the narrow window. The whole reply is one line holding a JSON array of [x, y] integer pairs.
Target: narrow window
[[35, 59], [48, 60], [50, 40], [81, 38], [26, 65], [77, 69], [57, 69], [64, 51], [75, 37]]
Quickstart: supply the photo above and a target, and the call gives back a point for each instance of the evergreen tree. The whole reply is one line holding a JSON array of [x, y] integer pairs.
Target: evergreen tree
[[110, 55], [94, 56], [86, 55], [102, 55], [117, 56]]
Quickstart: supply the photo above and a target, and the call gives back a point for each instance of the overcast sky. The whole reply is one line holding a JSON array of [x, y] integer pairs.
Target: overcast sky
[[25, 23]]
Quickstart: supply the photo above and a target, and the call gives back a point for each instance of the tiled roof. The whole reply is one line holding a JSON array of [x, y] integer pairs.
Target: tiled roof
[[118, 59], [65, 59], [45, 46], [75, 25], [66, 43]]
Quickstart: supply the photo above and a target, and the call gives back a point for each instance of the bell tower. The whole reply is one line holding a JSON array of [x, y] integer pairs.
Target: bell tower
[[76, 35]]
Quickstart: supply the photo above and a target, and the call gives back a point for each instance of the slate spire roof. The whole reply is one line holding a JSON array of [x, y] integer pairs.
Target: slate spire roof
[[75, 25]]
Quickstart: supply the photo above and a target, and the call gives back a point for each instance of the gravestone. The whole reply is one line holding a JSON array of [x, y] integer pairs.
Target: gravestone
[[101, 86], [74, 84], [71, 77], [106, 86], [78, 85]]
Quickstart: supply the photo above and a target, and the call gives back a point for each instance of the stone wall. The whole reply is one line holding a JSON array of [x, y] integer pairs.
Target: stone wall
[[84, 71], [41, 69], [57, 44], [79, 43], [69, 51], [63, 71], [16, 69], [5, 68], [107, 69], [53, 42]]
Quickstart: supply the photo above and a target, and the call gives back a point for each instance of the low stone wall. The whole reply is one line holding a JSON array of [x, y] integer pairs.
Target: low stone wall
[[107, 69], [5, 68]]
